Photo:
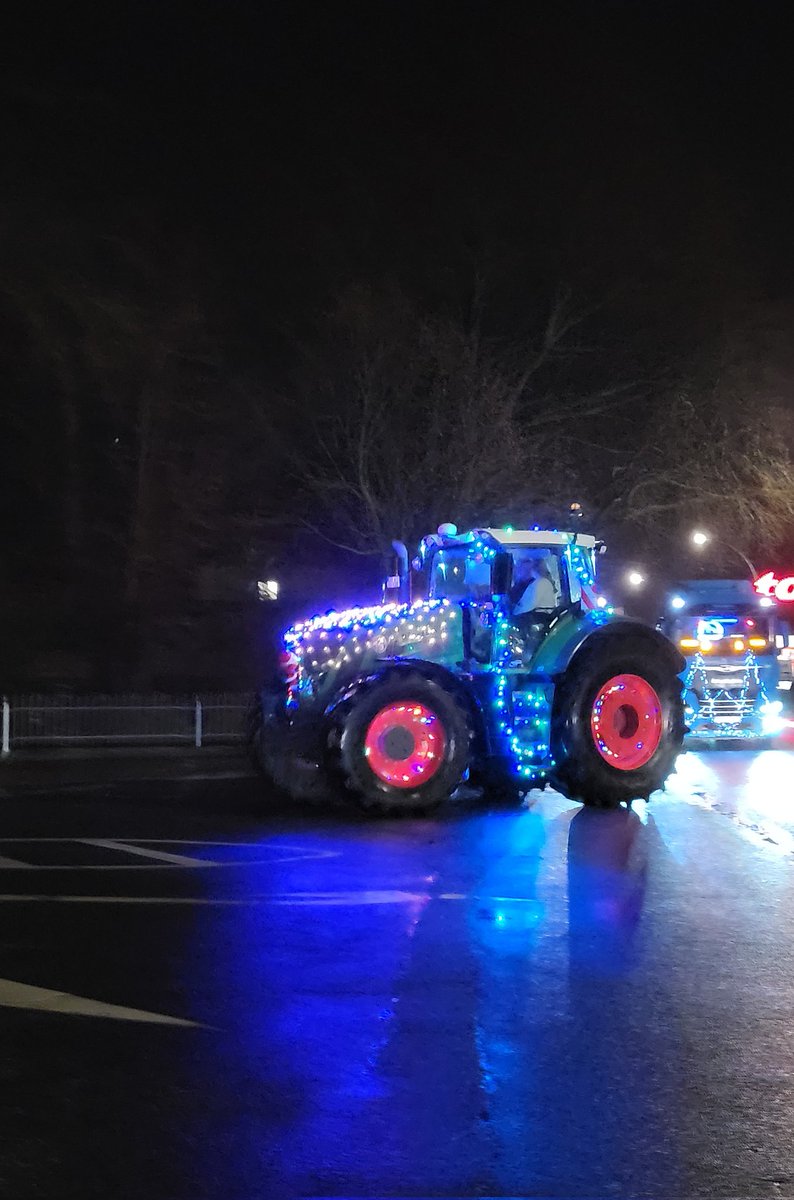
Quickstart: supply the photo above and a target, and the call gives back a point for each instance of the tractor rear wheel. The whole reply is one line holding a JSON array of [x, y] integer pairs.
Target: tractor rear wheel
[[404, 744], [617, 722]]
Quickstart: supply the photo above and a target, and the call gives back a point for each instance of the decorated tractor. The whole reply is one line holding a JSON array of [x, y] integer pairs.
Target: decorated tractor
[[509, 673]]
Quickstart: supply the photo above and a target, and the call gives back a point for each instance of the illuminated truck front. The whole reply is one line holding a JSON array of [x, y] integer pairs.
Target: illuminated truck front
[[731, 676]]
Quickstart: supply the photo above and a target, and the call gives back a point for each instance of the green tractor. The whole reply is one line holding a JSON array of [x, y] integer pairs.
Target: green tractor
[[509, 672]]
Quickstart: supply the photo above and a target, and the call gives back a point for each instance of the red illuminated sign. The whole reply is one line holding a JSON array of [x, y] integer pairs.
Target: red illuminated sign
[[777, 588]]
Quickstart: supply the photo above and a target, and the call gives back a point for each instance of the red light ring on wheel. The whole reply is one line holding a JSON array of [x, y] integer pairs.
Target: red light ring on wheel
[[626, 722], [404, 744]]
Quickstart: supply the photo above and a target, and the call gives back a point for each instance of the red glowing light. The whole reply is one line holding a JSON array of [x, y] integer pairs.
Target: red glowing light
[[776, 587], [405, 744], [626, 722]]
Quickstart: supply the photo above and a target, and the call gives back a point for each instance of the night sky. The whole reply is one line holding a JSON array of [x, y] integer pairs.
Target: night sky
[[263, 158], [389, 135]]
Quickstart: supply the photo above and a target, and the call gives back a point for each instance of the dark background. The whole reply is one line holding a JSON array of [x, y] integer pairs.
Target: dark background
[[190, 198]]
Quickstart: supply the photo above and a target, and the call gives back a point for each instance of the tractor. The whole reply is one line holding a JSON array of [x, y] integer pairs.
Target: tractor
[[507, 671]]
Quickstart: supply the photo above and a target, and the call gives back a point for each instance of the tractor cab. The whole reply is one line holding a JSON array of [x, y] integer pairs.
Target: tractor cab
[[519, 581], [485, 565]]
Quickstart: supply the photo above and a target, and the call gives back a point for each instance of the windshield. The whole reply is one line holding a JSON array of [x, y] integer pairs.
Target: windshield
[[459, 574], [464, 572]]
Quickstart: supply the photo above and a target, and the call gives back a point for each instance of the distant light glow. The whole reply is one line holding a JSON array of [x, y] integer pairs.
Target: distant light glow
[[678, 602], [699, 538], [635, 579]]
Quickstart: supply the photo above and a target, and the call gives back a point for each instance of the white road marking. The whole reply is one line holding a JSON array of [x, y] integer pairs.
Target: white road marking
[[199, 863], [160, 856], [296, 852], [24, 995], [345, 899], [159, 859], [220, 775], [285, 899], [266, 843], [21, 898]]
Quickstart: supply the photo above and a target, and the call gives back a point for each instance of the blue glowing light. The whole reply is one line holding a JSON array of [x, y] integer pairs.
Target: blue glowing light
[[730, 710]]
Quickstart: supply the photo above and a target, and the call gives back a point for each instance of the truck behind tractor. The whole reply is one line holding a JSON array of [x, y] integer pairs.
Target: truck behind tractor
[[730, 637], [400, 703]]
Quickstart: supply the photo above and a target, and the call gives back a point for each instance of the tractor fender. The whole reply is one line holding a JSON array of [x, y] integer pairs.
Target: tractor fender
[[434, 671], [573, 638]]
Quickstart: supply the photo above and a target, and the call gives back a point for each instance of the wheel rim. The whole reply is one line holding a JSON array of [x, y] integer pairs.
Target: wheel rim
[[404, 744], [626, 722]]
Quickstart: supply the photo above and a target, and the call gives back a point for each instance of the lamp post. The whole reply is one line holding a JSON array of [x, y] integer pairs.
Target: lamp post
[[700, 539]]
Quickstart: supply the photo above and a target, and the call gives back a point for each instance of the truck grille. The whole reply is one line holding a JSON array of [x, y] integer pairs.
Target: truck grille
[[726, 708]]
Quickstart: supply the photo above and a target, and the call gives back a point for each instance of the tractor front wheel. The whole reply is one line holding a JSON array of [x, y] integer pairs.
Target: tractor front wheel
[[404, 744], [617, 722], [271, 747]]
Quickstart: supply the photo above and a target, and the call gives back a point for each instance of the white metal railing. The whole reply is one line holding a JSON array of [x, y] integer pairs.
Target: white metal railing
[[102, 720]]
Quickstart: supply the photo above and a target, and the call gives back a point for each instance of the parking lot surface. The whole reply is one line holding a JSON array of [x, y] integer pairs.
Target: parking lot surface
[[206, 992]]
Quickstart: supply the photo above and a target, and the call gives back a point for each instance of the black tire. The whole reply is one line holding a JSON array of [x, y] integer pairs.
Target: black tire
[[269, 747], [368, 789], [581, 772], [498, 782], [251, 732]]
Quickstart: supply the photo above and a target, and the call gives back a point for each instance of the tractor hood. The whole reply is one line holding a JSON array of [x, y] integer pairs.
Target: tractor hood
[[355, 638]]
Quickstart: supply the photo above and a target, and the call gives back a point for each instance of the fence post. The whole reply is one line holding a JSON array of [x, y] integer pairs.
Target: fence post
[[6, 727], [199, 722]]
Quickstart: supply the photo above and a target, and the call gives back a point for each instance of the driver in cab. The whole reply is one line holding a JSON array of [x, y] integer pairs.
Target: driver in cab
[[533, 600], [533, 589]]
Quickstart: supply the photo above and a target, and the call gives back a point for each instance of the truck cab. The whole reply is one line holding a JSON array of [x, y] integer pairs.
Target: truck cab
[[729, 637]]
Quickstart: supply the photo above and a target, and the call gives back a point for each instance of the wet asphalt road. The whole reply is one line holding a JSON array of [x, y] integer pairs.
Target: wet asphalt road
[[537, 1002]]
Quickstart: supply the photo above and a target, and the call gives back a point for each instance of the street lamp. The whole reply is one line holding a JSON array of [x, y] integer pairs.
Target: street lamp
[[700, 539], [635, 579]]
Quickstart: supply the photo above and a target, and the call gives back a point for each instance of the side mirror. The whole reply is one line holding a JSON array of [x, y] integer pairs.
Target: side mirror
[[502, 573]]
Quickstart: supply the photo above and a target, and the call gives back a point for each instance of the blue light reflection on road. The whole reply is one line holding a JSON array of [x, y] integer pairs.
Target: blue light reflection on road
[[503, 1022]]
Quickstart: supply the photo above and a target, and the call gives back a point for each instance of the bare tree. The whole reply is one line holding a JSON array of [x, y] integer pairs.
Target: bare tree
[[714, 465], [417, 418]]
